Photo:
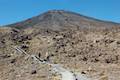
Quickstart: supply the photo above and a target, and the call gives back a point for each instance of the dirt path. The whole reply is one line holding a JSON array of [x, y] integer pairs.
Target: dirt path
[[68, 75]]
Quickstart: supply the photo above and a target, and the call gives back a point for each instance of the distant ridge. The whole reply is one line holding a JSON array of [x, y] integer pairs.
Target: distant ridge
[[60, 19]]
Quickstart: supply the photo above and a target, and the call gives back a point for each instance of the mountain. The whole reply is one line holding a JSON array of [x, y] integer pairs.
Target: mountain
[[81, 44], [60, 19]]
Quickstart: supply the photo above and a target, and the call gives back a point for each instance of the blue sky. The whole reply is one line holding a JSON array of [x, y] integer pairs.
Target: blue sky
[[17, 10]]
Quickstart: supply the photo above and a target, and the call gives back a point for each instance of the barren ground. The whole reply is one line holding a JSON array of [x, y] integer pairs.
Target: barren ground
[[94, 52]]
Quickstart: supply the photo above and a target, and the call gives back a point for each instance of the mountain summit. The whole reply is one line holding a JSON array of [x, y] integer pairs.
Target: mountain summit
[[60, 19]]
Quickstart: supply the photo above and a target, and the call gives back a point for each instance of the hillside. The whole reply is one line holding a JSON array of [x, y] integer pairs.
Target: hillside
[[60, 19], [79, 43]]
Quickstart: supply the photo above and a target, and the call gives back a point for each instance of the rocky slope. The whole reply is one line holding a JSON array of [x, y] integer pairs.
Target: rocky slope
[[60, 19], [82, 44]]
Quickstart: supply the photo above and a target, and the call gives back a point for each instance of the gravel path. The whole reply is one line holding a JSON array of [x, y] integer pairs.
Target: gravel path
[[68, 75]]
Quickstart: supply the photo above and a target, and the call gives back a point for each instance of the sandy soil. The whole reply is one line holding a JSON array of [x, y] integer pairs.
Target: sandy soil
[[93, 52]]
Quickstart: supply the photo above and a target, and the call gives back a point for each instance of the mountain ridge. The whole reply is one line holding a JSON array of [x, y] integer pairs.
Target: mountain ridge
[[59, 19]]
